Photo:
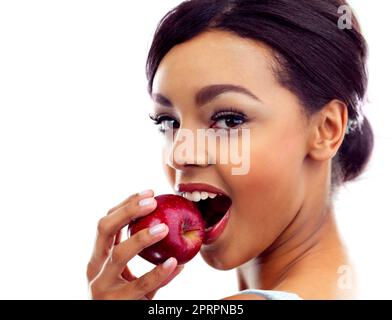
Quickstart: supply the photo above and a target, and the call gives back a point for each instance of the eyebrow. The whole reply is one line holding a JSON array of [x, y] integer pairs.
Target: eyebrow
[[207, 94]]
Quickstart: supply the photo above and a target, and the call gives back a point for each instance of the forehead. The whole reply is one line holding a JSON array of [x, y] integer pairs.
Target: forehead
[[215, 57]]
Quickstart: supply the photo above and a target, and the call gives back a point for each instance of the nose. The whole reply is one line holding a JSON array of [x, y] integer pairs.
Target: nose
[[188, 150]]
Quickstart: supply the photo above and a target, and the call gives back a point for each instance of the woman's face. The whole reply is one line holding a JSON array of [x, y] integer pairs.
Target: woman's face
[[265, 199]]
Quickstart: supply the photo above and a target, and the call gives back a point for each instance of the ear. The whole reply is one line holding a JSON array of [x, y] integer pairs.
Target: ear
[[328, 130]]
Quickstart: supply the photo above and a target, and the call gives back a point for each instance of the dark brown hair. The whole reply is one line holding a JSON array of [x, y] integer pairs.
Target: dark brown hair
[[318, 61]]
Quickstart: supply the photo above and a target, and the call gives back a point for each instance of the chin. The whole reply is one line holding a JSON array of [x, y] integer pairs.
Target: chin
[[219, 261]]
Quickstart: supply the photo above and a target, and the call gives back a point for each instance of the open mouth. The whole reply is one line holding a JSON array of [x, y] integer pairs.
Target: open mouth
[[213, 209], [214, 206]]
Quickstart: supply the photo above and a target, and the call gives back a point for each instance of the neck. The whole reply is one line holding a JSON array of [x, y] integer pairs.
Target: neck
[[305, 258]]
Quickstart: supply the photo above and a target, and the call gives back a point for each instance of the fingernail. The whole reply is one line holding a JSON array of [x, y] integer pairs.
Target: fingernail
[[168, 263], [159, 228], [146, 202], [144, 192]]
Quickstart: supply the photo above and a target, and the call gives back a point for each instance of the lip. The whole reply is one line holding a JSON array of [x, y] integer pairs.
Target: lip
[[217, 229], [190, 187]]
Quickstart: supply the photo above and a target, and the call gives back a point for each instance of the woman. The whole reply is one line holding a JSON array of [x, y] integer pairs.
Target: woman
[[292, 73]]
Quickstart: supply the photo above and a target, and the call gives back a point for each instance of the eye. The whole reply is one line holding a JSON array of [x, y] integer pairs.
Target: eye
[[164, 122], [228, 119]]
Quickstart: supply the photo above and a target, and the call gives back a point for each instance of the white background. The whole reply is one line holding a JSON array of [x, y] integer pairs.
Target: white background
[[75, 140]]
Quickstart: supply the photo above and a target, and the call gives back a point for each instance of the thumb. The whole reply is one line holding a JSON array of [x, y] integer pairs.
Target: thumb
[[175, 272]]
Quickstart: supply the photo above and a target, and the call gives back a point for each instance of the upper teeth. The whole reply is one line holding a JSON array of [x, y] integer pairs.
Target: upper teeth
[[196, 196]]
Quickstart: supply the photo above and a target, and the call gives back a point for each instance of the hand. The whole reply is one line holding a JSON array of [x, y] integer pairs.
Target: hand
[[107, 272]]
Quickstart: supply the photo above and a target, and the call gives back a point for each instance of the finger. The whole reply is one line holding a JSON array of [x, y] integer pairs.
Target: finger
[[127, 275], [150, 281], [112, 224], [176, 271], [146, 193], [102, 289], [118, 237], [136, 206], [126, 250], [124, 202]]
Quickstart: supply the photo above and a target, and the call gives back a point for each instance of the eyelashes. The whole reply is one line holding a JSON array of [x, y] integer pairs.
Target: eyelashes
[[157, 119], [228, 118], [165, 122]]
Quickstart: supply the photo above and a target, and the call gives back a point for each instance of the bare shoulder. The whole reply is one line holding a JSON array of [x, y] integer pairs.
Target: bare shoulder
[[247, 296], [319, 288]]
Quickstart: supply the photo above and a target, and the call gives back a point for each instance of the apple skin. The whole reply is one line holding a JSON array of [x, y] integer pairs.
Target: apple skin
[[186, 229]]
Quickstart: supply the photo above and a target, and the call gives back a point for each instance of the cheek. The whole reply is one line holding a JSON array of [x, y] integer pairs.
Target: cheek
[[275, 168], [170, 174], [169, 171], [267, 198]]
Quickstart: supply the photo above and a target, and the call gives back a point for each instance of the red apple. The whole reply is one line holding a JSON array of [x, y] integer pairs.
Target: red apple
[[186, 229]]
